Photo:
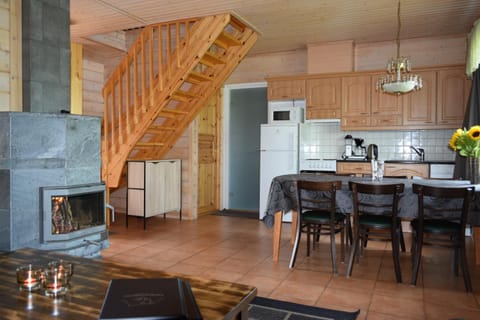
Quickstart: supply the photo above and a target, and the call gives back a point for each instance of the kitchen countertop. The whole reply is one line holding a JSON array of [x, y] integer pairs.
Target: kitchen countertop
[[405, 161]]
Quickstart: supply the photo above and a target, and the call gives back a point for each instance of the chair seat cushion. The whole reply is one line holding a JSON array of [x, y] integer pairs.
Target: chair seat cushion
[[320, 216], [437, 226], [376, 221]]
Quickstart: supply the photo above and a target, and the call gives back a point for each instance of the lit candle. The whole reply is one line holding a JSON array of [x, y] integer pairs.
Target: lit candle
[[55, 282], [28, 277], [30, 281]]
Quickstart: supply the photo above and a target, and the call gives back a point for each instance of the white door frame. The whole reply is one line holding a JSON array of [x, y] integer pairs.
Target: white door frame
[[224, 202]]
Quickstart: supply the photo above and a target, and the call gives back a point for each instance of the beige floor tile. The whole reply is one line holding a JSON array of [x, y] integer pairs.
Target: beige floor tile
[[399, 307], [346, 298], [398, 290], [265, 285], [310, 277], [309, 293], [449, 311], [352, 284], [459, 299]]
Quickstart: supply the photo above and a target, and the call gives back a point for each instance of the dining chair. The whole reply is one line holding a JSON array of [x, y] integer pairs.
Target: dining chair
[[402, 239], [317, 215], [441, 221], [375, 208]]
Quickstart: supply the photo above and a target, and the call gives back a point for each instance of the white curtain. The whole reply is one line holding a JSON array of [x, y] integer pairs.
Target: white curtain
[[473, 49]]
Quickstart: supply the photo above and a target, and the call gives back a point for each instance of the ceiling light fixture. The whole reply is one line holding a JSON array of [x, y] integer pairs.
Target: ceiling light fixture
[[399, 80]]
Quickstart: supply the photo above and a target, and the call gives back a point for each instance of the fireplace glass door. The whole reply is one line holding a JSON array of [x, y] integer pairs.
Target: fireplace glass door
[[71, 212]]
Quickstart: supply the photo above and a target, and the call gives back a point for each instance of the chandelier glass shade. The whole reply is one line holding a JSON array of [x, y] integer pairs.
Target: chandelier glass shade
[[399, 80]]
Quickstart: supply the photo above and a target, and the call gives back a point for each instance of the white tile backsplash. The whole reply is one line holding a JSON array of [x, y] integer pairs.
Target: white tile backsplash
[[326, 141]]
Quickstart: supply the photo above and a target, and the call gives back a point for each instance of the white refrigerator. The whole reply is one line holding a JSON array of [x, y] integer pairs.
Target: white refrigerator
[[278, 156]]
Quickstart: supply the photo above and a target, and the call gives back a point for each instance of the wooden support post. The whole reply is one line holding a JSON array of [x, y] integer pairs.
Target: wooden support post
[[76, 78]]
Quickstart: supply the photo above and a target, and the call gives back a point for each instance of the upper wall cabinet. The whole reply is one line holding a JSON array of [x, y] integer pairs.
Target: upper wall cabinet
[[386, 108], [286, 89], [452, 95], [364, 108], [440, 103], [324, 98], [419, 107], [356, 101], [353, 97]]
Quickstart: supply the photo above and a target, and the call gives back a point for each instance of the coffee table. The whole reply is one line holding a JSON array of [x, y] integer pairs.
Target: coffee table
[[216, 299]]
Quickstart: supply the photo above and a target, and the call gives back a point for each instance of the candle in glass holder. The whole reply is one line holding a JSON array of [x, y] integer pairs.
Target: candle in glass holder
[[29, 277], [62, 265], [55, 282]]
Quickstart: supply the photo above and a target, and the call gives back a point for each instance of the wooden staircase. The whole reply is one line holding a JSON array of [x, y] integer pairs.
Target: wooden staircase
[[163, 82]]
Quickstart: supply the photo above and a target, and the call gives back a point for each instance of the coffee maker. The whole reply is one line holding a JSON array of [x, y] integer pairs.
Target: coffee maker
[[359, 149]]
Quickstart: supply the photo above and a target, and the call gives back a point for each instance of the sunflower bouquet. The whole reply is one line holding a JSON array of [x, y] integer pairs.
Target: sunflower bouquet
[[466, 142]]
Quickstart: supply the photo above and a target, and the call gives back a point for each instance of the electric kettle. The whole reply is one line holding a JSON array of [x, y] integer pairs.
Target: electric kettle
[[372, 152]]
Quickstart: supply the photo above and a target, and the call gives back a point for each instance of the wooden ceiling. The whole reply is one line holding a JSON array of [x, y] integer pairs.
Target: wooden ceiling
[[287, 24]]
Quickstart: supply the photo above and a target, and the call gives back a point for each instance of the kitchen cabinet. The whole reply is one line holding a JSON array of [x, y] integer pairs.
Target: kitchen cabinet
[[353, 97], [356, 100], [286, 89], [386, 109], [354, 168], [323, 98], [363, 107], [153, 187], [391, 169], [452, 94], [419, 107], [440, 103], [407, 169]]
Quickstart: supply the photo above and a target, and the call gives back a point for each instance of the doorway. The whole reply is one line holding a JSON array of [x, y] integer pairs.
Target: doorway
[[245, 108]]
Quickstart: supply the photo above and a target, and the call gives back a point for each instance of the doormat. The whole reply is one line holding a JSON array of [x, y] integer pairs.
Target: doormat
[[237, 214], [268, 309]]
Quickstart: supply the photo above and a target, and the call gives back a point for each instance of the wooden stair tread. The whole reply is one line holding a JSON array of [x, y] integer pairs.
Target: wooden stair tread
[[184, 96], [148, 144], [211, 60], [226, 41], [160, 129], [197, 77], [174, 111]]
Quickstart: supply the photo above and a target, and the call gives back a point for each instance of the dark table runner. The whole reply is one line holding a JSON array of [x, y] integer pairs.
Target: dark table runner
[[282, 195]]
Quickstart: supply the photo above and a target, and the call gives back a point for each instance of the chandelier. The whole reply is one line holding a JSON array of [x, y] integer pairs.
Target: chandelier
[[399, 79]]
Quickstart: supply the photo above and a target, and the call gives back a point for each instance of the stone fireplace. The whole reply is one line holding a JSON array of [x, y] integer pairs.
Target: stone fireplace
[[46, 148], [43, 155]]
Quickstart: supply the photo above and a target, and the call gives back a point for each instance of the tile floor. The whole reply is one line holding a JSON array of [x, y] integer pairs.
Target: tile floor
[[240, 250]]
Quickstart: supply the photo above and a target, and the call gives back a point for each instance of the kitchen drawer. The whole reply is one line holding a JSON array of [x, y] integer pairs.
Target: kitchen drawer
[[406, 169], [357, 168]]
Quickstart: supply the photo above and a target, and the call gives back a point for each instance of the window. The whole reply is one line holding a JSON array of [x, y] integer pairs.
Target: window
[[473, 50]]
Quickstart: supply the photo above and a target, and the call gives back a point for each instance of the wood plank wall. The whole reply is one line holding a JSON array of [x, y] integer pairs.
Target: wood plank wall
[[10, 55], [92, 88], [423, 52]]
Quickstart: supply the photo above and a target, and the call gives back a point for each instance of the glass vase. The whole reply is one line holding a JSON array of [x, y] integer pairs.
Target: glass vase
[[473, 170]]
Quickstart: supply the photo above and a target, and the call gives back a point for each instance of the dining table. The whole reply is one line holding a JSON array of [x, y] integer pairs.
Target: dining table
[[282, 199]]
